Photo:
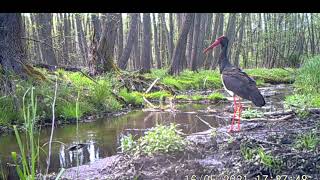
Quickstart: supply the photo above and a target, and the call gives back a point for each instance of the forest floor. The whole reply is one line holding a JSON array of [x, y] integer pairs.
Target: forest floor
[[276, 145]]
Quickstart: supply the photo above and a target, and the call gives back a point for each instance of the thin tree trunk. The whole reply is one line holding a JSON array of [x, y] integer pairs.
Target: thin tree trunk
[[156, 46], [217, 50], [196, 32], [146, 48], [123, 61], [239, 46]]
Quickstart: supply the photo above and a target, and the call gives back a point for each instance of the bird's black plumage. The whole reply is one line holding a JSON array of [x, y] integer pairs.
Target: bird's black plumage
[[236, 80]]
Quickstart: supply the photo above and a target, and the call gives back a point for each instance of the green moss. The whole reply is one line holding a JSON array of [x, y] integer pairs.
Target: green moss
[[197, 97], [182, 97], [216, 96], [134, 98], [159, 95], [276, 75]]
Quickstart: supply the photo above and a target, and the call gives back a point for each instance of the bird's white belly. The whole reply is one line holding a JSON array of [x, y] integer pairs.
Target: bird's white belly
[[228, 91]]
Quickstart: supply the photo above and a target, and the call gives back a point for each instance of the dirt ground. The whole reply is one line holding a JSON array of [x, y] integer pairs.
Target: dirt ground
[[219, 157]]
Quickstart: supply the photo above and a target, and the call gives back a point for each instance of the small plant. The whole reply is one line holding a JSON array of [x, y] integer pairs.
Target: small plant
[[268, 160], [307, 142], [127, 143], [251, 113], [213, 132], [246, 152], [160, 139], [29, 149], [216, 96]]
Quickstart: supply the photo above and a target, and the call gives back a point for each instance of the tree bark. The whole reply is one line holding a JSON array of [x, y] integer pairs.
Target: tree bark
[[120, 38], [81, 39], [230, 32], [217, 50], [12, 51], [170, 41], [195, 41], [239, 45], [179, 51], [146, 48], [45, 27], [123, 61], [105, 50], [156, 45]]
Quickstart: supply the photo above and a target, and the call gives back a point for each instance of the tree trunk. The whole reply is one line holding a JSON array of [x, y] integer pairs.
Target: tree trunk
[[200, 54], [105, 50], [120, 38], [66, 39], [189, 45], [81, 39], [123, 61], [96, 26], [239, 46], [156, 45], [45, 27], [230, 32], [170, 41], [12, 51], [217, 50], [146, 48], [179, 51], [195, 41]]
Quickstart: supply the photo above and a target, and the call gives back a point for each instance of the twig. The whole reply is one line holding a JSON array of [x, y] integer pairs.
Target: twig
[[206, 123], [52, 125], [154, 82]]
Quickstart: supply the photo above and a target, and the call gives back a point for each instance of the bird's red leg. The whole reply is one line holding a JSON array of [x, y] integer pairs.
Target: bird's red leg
[[240, 110], [234, 114]]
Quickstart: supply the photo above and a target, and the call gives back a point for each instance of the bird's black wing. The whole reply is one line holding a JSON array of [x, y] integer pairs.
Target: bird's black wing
[[242, 85]]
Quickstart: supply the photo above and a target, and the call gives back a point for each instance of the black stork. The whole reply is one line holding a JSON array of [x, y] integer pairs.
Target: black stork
[[235, 81]]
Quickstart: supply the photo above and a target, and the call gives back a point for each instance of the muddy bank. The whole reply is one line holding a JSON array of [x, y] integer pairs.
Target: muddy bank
[[220, 155]]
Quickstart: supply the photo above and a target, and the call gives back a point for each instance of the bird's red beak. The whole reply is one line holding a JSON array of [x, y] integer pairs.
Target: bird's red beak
[[216, 43]]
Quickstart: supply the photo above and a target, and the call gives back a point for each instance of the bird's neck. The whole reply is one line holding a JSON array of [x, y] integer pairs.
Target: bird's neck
[[224, 61]]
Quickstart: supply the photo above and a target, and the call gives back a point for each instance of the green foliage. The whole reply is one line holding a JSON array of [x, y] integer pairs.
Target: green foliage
[[182, 97], [8, 113], [127, 143], [271, 75], [135, 98], [301, 102], [308, 78], [268, 160], [29, 149], [216, 96], [160, 139], [247, 152], [68, 109], [102, 98], [251, 113], [307, 141], [197, 97], [159, 95]]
